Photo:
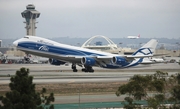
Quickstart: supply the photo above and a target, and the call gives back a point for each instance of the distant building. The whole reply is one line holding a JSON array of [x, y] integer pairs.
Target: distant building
[[98, 43], [99, 46]]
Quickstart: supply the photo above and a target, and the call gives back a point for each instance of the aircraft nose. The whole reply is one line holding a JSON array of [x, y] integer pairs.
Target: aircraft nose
[[15, 43]]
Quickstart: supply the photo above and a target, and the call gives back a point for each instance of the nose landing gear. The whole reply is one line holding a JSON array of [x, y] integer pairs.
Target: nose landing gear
[[74, 68]]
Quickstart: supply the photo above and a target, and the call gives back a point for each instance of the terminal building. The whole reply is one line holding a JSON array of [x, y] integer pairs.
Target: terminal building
[[110, 47], [113, 48]]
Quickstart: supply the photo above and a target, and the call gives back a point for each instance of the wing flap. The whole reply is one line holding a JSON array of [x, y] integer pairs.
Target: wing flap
[[132, 57], [139, 56]]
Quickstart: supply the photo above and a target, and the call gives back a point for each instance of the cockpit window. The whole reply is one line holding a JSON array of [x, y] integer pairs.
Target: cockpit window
[[26, 37]]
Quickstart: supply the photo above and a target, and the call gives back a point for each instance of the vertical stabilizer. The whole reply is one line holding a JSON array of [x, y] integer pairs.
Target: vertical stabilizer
[[147, 49], [138, 36]]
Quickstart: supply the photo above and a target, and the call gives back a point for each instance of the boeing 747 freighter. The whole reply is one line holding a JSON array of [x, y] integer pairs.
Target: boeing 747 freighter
[[60, 54]]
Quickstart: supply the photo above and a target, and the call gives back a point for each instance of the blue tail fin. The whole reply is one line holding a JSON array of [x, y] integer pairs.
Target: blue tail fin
[[147, 49]]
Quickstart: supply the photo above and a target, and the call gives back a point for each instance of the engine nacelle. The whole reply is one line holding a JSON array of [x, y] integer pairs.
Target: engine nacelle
[[119, 60], [56, 62], [88, 61]]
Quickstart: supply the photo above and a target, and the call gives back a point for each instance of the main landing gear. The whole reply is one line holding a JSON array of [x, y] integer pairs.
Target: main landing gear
[[86, 69]]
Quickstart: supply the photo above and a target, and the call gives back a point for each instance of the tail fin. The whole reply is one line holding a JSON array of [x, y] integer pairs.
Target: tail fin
[[139, 36], [147, 50]]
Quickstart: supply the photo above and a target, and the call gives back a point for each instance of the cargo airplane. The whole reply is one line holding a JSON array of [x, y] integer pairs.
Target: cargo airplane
[[133, 37], [60, 54]]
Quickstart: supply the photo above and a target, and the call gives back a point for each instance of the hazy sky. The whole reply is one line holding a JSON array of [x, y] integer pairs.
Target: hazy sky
[[86, 18]]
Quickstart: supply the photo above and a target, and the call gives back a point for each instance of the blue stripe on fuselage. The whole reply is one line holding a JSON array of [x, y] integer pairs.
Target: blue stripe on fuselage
[[111, 66], [137, 63], [55, 49], [66, 51]]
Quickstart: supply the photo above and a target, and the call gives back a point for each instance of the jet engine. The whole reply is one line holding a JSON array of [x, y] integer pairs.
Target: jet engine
[[88, 61], [119, 60], [56, 62]]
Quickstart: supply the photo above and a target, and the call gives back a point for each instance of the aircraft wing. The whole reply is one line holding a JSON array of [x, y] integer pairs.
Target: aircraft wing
[[103, 60], [138, 56], [100, 60], [161, 54], [132, 57]]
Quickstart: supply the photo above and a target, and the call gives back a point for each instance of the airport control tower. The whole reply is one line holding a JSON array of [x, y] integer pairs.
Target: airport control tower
[[30, 14]]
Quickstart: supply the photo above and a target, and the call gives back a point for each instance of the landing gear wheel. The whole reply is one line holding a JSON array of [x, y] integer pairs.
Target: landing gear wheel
[[88, 69], [83, 70], [92, 71], [74, 68]]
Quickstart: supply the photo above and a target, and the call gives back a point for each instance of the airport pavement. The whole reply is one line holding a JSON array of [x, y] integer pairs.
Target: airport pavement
[[63, 68], [45, 73], [84, 98]]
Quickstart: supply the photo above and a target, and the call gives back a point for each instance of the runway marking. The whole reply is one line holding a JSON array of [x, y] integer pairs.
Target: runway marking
[[71, 81]]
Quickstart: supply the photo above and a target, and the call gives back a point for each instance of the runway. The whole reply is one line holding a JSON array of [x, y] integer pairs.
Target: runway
[[45, 73], [70, 87]]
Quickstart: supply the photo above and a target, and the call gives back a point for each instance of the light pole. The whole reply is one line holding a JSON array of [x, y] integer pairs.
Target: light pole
[[120, 44], [178, 45], [78, 44], [140, 44], [79, 98]]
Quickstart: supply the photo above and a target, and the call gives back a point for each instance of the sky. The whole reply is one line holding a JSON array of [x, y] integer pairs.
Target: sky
[[87, 18]]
